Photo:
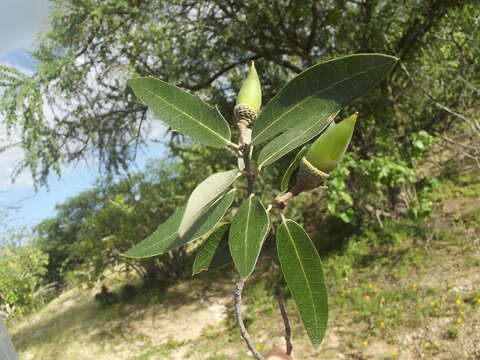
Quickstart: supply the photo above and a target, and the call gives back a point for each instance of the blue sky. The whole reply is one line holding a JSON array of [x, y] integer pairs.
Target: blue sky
[[20, 21]]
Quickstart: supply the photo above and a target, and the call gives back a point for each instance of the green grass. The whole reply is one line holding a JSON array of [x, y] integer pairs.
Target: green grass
[[162, 350], [406, 290]]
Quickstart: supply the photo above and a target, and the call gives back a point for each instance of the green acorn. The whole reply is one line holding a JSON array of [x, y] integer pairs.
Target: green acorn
[[249, 98], [324, 154]]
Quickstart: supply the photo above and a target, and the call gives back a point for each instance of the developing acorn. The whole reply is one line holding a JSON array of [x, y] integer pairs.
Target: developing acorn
[[324, 155], [249, 98]]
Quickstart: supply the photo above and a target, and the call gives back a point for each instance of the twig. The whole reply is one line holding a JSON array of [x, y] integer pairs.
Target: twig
[[286, 322], [446, 138], [280, 202], [245, 153], [471, 122], [240, 324], [245, 149]]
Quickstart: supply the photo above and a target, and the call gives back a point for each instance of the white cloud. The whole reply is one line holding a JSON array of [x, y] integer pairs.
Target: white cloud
[[153, 129], [20, 20], [8, 161]]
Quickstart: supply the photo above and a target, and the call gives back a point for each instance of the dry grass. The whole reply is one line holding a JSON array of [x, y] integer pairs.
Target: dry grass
[[416, 299]]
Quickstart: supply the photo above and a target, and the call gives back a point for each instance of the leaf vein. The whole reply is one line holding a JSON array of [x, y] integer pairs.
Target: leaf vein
[[316, 94]]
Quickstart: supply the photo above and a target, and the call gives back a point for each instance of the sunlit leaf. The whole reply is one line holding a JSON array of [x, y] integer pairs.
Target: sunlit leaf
[[166, 237], [302, 269], [184, 112], [247, 233], [204, 194], [320, 92]]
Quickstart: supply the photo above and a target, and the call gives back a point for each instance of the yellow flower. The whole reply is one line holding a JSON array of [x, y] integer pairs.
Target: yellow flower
[[365, 342], [458, 321], [367, 297], [461, 312], [382, 324], [426, 345], [458, 302], [433, 303], [370, 285]]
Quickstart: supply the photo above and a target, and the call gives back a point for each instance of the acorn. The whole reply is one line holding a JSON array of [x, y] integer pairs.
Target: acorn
[[327, 151], [249, 98], [324, 155]]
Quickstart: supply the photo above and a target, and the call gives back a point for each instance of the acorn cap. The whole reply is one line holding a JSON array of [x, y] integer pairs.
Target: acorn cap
[[327, 151], [308, 177], [251, 91]]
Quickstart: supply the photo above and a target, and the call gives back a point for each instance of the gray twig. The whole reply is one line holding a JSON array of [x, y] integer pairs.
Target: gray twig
[[286, 322], [240, 324]]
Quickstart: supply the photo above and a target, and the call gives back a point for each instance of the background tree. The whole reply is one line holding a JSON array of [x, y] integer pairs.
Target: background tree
[[93, 46], [92, 229], [22, 268]]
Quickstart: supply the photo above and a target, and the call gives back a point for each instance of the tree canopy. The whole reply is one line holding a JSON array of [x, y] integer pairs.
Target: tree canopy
[[77, 104]]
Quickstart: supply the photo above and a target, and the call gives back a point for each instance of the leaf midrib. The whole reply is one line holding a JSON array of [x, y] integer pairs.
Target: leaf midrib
[[186, 114], [305, 276], [315, 94], [246, 231], [289, 142], [162, 241]]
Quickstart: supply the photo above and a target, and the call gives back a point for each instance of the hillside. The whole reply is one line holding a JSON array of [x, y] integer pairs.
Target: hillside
[[411, 292]]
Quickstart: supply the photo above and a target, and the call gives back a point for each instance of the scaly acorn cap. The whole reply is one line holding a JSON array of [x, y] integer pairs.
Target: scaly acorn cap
[[251, 91], [327, 151], [244, 113], [308, 177]]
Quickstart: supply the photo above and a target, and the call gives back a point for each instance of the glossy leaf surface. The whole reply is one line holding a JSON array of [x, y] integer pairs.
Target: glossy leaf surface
[[184, 112], [290, 140], [204, 194], [166, 237], [320, 92]]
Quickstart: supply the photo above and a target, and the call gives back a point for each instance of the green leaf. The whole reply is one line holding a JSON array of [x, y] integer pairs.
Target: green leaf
[[184, 112], [214, 252], [247, 233], [160, 239], [320, 92], [290, 140], [204, 194], [166, 237], [285, 184], [302, 269]]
